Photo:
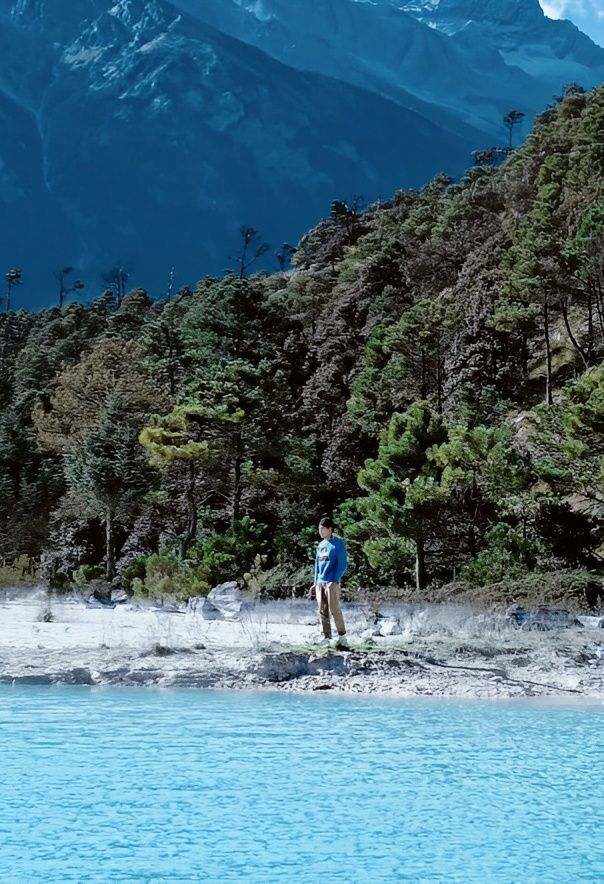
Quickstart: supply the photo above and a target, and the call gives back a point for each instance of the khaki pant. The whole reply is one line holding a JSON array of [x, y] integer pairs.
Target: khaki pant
[[328, 599]]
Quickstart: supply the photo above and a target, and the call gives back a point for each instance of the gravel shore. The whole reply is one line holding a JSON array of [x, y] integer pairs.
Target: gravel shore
[[440, 650]]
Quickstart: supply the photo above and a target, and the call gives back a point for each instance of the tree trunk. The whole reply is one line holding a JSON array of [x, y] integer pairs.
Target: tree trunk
[[599, 305], [524, 356], [171, 372], [590, 322], [473, 505], [421, 580], [439, 382], [472, 539], [569, 331], [548, 355], [191, 530], [424, 385], [109, 553], [236, 501]]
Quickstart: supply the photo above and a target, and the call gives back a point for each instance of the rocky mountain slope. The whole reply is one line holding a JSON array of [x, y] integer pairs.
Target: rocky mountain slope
[[151, 138], [473, 59], [518, 32], [148, 133]]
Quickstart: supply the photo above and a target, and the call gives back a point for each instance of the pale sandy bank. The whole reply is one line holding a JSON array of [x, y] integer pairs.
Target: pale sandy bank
[[440, 650]]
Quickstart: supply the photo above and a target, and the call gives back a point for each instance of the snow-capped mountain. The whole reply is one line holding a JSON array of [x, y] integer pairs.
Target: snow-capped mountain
[[134, 132], [474, 59], [149, 131], [379, 47], [552, 52]]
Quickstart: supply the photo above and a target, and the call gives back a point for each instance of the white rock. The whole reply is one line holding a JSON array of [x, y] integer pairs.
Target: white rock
[[224, 602], [591, 622], [390, 627], [369, 633]]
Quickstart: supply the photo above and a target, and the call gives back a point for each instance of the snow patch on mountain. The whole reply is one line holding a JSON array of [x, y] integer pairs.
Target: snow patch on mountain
[[551, 52], [150, 130], [259, 9], [137, 133]]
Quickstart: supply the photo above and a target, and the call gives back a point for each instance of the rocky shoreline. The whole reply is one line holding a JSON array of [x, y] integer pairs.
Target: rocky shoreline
[[443, 651], [393, 671]]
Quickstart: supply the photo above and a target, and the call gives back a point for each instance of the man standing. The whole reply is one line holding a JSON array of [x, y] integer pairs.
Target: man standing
[[330, 565]]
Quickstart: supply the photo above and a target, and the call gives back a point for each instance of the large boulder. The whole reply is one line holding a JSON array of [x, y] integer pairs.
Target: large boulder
[[288, 665], [100, 594], [543, 619], [224, 602], [516, 614], [281, 666]]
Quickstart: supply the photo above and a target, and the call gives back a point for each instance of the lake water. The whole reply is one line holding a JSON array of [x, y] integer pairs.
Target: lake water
[[138, 785]]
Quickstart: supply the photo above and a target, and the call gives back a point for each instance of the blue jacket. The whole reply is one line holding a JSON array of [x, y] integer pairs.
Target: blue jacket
[[330, 561]]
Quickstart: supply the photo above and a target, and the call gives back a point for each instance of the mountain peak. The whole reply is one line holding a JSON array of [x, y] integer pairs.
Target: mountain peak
[[500, 11], [452, 15], [553, 52], [143, 135], [199, 117]]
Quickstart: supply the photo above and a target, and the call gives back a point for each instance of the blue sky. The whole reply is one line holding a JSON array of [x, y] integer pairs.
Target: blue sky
[[588, 15]]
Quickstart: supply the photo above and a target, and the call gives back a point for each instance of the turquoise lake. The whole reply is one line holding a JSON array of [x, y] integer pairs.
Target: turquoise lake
[[137, 785]]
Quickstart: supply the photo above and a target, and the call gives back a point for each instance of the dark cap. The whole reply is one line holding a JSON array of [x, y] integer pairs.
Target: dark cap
[[326, 522]]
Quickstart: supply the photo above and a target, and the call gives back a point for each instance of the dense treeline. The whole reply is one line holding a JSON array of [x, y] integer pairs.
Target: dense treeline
[[430, 371]]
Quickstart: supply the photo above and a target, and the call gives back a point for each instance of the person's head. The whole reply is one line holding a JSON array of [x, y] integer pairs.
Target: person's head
[[325, 527]]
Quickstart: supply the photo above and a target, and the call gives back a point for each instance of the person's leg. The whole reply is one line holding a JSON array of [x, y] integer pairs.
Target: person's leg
[[333, 597], [323, 602]]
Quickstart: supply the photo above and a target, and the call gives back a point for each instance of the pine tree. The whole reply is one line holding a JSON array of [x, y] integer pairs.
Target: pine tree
[[404, 495], [190, 442], [107, 472]]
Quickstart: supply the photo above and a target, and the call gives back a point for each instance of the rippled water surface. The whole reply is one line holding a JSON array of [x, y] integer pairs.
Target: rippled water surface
[[137, 785]]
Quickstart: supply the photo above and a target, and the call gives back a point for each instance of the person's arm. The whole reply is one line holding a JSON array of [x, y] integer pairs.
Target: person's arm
[[342, 560], [311, 590]]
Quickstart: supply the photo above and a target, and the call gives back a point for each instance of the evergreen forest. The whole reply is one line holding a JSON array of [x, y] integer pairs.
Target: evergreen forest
[[428, 370]]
